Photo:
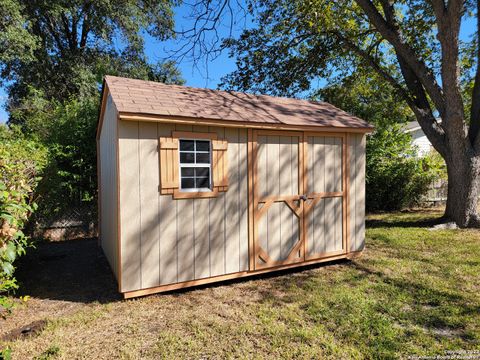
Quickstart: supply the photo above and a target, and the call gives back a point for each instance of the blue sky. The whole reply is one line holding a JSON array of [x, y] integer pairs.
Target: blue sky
[[157, 50], [197, 76]]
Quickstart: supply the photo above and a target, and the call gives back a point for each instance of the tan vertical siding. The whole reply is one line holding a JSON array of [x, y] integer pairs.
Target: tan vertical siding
[[324, 174], [108, 185], [149, 247], [165, 241], [277, 175], [167, 218], [242, 199], [356, 149], [232, 208], [130, 210]]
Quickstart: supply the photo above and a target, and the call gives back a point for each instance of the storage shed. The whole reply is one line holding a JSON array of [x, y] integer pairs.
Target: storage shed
[[198, 186]]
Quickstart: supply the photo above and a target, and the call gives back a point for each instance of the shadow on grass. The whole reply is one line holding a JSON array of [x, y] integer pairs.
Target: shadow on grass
[[420, 223], [77, 271], [287, 277], [73, 270], [432, 308]]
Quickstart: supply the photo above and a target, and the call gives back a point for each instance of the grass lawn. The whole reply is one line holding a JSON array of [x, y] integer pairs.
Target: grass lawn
[[413, 292]]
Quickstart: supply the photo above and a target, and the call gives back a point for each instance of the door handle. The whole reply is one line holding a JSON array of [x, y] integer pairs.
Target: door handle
[[303, 197]]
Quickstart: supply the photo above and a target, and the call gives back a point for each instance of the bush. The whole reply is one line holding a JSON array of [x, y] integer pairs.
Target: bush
[[71, 178], [21, 161], [68, 130], [395, 177]]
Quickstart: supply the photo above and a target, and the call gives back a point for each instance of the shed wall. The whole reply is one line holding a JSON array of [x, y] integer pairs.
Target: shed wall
[[164, 241], [356, 149], [324, 174], [108, 185]]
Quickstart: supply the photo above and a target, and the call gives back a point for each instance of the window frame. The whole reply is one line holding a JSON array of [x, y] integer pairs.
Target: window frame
[[195, 165]]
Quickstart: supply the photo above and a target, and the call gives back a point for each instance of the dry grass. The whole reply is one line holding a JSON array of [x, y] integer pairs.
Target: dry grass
[[414, 292]]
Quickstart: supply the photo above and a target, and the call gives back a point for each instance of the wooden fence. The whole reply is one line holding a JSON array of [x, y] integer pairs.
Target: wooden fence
[[437, 193]]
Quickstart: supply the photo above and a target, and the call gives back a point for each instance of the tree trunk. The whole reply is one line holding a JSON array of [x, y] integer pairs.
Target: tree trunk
[[463, 190]]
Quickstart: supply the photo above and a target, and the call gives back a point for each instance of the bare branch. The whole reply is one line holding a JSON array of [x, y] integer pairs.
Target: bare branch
[[202, 41]]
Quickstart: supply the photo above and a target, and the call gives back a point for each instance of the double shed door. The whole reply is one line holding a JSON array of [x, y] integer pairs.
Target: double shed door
[[299, 196]]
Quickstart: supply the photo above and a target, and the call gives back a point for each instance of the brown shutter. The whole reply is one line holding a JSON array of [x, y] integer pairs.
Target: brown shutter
[[169, 163], [220, 165]]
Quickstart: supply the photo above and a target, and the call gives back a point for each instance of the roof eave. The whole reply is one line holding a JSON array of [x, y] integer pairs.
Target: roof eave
[[103, 104], [129, 116]]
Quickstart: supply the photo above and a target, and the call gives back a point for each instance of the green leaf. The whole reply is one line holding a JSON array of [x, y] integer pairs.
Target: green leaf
[[7, 268], [10, 252]]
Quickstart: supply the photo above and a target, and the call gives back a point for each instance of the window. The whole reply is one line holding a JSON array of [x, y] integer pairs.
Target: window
[[195, 165]]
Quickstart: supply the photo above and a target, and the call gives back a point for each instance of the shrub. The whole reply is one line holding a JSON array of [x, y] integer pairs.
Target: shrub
[[68, 130], [21, 161], [395, 177]]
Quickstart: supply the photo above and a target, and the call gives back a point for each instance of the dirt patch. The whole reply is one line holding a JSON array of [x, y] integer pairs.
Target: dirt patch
[[25, 331], [73, 270], [60, 278]]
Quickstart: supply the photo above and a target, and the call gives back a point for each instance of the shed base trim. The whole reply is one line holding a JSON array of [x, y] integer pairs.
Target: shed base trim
[[213, 279]]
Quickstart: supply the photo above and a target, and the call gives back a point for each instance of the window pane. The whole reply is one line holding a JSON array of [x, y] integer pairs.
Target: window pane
[[186, 158], [188, 172], [188, 183], [202, 182], [187, 145], [202, 172], [203, 158], [203, 145]]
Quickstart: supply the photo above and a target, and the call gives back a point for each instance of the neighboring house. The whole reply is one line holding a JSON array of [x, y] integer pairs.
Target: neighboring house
[[198, 186], [437, 193], [419, 139]]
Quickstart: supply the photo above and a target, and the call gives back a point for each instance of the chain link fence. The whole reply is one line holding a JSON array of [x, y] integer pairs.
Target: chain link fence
[[78, 221]]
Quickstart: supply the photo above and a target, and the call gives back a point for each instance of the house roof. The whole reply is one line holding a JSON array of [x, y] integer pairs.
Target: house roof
[[150, 98], [414, 125]]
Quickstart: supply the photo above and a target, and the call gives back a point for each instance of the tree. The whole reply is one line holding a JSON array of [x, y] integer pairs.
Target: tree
[[53, 75], [67, 46], [412, 45], [396, 177]]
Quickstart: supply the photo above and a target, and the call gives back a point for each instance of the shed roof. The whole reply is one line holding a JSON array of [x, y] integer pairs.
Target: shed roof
[[150, 98]]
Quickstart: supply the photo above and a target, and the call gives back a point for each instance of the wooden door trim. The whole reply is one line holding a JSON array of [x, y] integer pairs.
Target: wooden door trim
[[304, 208]]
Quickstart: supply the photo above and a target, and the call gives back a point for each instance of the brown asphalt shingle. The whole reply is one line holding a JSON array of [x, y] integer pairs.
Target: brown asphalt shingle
[[152, 98]]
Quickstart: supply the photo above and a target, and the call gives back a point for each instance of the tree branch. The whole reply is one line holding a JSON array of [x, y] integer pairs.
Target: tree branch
[[424, 115], [474, 130], [85, 25], [421, 108], [448, 20], [68, 33], [53, 32], [393, 36], [371, 62]]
